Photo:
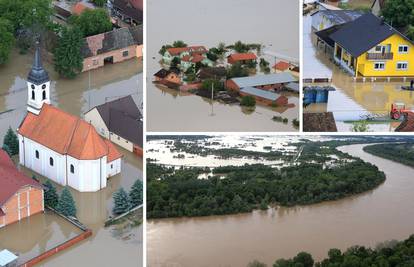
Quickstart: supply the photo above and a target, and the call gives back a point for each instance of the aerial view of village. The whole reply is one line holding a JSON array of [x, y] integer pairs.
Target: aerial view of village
[[71, 133], [358, 70], [281, 201], [242, 77]]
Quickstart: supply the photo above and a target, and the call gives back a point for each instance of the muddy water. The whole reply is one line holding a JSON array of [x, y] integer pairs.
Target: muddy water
[[381, 214], [351, 100], [271, 23], [76, 97]]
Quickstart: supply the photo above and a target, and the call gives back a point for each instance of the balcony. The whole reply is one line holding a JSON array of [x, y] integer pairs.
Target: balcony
[[380, 56]]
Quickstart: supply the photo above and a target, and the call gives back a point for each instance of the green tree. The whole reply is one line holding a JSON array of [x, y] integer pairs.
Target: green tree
[[248, 101], [99, 3], [11, 141], [7, 149], [92, 22], [237, 70], [6, 40], [360, 126], [399, 13], [164, 48], [121, 201], [66, 205], [179, 43], [67, 56], [304, 258], [136, 193], [207, 84], [256, 263], [240, 47], [251, 64], [51, 196]]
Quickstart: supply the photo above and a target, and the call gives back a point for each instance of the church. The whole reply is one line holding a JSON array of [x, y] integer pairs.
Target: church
[[61, 146]]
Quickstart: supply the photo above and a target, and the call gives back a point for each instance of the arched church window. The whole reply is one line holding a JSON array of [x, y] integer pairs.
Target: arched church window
[[33, 95], [43, 95], [37, 154], [72, 168], [44, 86], [51, 161], [33, 87]]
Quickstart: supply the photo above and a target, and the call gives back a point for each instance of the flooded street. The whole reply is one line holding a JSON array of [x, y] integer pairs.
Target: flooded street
[[367, 219], [351, 100], [75, 97], [171, 110]]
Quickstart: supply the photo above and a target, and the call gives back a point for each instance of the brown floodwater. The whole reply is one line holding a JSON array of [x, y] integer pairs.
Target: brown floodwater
[[106, 247], [275, 24], [384, 213], [351, 100]]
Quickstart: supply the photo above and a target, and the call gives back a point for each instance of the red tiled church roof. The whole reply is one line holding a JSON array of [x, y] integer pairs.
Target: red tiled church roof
[[11, 179], [65, 134]]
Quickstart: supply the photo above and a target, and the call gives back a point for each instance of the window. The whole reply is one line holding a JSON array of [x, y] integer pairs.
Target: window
[[43, 95], [33, 95], [95, 62], [37, 154], [44, 86], [378, 48], [403, 49], [51, 161], [402, 65], [32, 86], [112, 166], [125, 53], [72, 168], [379, 65]]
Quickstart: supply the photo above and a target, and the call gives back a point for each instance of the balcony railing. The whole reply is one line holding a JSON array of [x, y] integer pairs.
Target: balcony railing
[[380, 56]]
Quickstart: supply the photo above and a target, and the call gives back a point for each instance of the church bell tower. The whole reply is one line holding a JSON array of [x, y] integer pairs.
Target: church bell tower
[[38, 85]]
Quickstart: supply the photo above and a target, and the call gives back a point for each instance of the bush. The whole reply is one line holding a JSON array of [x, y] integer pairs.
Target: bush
[[51, 197], [136, 193], [66, 205], [11, 142], [121, 201], [248, 101]]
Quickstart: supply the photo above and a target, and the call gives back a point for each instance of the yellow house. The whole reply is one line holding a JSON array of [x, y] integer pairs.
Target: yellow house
[[370, 47]]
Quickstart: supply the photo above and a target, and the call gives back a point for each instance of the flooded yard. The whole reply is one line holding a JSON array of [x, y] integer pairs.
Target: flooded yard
[[106, 247], [352, 100], [171, 110]]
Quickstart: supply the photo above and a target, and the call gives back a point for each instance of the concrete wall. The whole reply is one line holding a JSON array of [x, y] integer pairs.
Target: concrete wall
[[24, 203]]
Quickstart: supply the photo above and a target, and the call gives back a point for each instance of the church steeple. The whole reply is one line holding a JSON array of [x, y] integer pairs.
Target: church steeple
[[38, 85]]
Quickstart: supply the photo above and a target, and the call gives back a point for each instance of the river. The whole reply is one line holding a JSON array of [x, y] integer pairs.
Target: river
[[273, 23], [384, 213]]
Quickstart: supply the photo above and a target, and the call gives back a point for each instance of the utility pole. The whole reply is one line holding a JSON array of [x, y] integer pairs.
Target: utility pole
[[212, 99], [89, 87]]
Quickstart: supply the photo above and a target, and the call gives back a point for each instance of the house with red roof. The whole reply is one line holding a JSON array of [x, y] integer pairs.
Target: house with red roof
[[281, 66], [20, 196], [61, 146], [243, 58], [188, 56]]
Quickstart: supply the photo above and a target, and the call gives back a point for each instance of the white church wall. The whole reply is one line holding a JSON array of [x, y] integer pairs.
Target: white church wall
[[87, 174], [114, 167]]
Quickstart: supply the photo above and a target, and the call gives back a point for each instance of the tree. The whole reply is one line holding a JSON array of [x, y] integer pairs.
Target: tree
[[237, 70], [92, 22], [164, 49], [304, 258], [240, 47], [6, 40], [212, 56], [7, 149], [251, 64], [66, 205], [11, 141], [51, 196], [179, 43], [207, 84], [399, 13], [360, 126], [67, 56], [248, 101], [136, 193], [121, 201], [256, 263], [99, 3]]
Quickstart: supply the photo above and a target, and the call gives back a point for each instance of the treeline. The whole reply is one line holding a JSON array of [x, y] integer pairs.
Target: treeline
[[401, 153], [387, 254], [180, 193]]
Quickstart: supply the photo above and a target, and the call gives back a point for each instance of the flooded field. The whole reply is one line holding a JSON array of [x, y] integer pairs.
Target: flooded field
[[351, 100], [236, 240], [276, 28], [76, 97]]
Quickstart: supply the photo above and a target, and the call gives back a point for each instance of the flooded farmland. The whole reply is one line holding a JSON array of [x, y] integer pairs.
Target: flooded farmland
[[272, 26], [76, 97], [236, 240], [352, 100]]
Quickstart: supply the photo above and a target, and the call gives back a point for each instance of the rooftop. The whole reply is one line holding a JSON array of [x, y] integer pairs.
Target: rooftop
[[6, 257], [174, 51], [131, 8], [281, 65], [260, 93], [258, 80], [407, 125], [11, 179], [340, 16], [64, 133], [242, 56]]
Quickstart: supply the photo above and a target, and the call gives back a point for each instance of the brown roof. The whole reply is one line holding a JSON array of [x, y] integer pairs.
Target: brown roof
[[64, 134], [11, 180], [319, 122], [197, 58], [174, 51], [281, 65], [242, 56], [407, 125]]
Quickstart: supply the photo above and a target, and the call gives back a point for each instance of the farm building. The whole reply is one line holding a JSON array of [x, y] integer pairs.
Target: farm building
[[242, 58], [120, 121], [181, 52], [130, 11], [20, 196], [264, 96], [167, 77], [268, 81], [112, 47]]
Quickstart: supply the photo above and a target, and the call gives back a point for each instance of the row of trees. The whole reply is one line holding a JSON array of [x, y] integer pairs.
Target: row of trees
[[400, 14], [247, 187], [387, 254], [65, 204], [402, 153], [124, 202]]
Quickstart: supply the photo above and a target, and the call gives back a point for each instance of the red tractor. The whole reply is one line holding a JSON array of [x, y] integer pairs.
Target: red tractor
[[398, 110]]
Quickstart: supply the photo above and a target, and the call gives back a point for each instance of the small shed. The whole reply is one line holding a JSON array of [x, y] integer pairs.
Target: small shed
[[7, 259]]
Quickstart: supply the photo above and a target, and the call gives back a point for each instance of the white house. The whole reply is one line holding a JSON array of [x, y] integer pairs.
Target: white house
[[60, 146]]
